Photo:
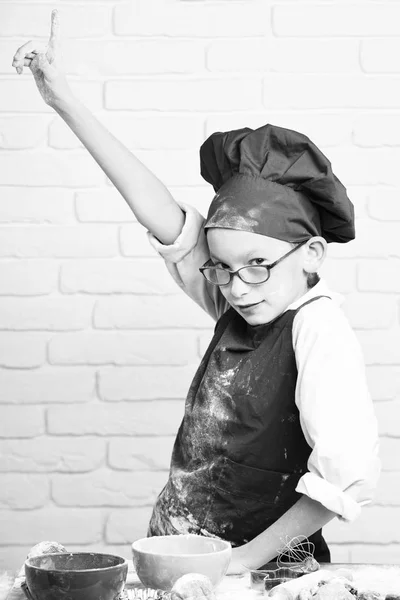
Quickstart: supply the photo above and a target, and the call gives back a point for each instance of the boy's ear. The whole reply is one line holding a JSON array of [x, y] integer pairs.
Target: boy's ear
[[315, 253]]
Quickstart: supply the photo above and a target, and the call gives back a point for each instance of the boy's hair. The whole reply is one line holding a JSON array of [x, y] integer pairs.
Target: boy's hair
[[312, 279]]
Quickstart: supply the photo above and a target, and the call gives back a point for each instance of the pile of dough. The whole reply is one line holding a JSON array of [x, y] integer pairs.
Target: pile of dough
[[193, 586], [45, 548]]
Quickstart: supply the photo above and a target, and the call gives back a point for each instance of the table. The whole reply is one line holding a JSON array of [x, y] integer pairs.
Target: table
[[237, 587]]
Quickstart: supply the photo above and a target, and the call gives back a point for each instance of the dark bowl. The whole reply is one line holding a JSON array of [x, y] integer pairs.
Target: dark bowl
[[76, 576]]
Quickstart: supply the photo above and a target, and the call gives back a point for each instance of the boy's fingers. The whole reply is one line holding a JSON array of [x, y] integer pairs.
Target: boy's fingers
[[54, 40], [21, 52], [28, 50]]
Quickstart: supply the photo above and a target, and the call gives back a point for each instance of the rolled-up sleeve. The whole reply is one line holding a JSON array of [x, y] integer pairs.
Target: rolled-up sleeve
[[336, 411], [185, 256]]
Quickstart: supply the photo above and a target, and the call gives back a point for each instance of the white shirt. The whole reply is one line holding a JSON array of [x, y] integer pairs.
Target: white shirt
[[336, 411]]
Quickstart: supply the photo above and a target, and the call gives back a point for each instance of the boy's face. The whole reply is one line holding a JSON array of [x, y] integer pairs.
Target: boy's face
[[258, 304]]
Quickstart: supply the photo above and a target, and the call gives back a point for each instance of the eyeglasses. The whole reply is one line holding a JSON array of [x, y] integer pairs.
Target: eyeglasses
[[254, 275]]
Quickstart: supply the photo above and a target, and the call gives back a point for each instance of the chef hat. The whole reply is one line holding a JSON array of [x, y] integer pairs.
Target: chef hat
[[275, 182]]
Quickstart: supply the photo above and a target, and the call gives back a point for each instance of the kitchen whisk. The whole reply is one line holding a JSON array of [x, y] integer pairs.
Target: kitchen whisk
[[299, 552]]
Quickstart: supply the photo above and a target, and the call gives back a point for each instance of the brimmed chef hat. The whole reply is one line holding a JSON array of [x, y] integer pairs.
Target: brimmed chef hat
[[275, 182]]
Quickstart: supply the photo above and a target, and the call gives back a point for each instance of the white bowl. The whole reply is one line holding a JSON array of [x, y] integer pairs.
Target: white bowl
[[161, 560]]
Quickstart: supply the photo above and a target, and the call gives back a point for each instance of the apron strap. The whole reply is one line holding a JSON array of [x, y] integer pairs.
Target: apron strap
[[310, 301]]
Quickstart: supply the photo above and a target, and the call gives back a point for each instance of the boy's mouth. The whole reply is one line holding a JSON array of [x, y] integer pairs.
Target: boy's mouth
[[248, 306]]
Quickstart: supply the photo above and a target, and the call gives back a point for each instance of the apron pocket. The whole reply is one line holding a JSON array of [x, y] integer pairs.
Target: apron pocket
[[268, 487]]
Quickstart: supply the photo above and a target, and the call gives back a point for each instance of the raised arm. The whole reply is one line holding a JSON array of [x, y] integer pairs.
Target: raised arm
[[147, 196]]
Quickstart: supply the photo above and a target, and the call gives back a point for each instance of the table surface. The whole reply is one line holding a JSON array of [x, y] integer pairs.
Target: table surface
[[236, 587]]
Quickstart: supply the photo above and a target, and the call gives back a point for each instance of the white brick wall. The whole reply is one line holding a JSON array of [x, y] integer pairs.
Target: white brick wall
[[97, 344]]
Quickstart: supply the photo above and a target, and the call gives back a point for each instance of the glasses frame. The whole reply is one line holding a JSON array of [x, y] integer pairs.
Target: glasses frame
[[237, 272]]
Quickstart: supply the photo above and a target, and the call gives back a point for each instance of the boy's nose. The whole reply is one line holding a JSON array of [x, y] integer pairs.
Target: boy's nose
[[238, 287]]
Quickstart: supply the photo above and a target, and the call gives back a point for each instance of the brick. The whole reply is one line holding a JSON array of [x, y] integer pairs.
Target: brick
[[374, 240], [389, 454], [125, 526], [141, 453], [364, 166], [21, 95], [150, 312], [23, 132], [137, 383], [103, 206], [36, 205], [49, 169], [374, 131], [139, 276], [247, 55], [313, 20], [380, 55], [22, 350], [28, 277], [364, 529], [326, 130], [158, 131], [52, 454], [122, 348], [388, 491], [204, 341], [339, 554], [34, 20], [134, 242], [285, 56], [11, 559], [64, 525], [359, 195], [379, 276], [130, 57], [383, 205], [138, 132], [340, 275], [59, 242], [24, 491], [370, 311], [384, 554], [384, 382], [194, 19], [138, 418], [320, 91], [46, 386], [108, 488], [50, 314], [173, 167], [21, 422], [183, 95], [387, 414], [380, 347]]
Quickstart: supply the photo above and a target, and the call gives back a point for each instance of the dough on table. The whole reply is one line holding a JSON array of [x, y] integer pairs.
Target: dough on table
[[333, 590], [193, 586]]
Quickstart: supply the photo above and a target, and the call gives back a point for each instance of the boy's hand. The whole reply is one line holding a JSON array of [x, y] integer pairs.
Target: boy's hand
[[45, 65]]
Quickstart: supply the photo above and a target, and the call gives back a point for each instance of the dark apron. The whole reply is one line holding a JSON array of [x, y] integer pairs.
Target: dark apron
[[240, 450]]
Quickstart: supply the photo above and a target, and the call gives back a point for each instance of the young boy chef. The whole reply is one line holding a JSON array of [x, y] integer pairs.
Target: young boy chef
[[279, 433]]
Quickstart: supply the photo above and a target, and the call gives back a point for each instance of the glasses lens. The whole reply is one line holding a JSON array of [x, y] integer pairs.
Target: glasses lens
[[257, 274], [217, 276]]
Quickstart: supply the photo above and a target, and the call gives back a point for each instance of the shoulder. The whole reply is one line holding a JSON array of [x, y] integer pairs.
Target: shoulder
[[323, 324]]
